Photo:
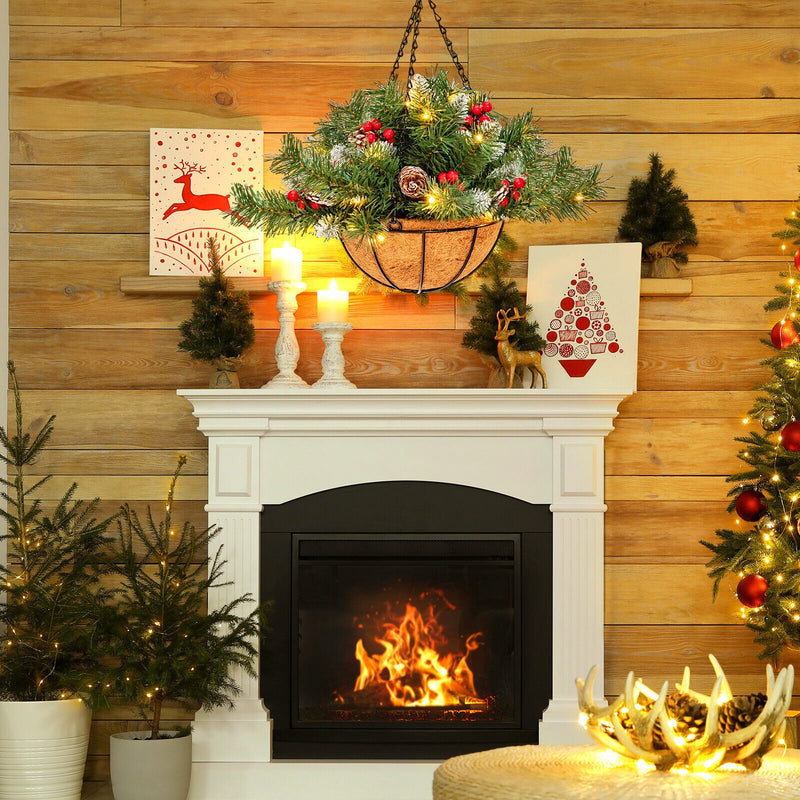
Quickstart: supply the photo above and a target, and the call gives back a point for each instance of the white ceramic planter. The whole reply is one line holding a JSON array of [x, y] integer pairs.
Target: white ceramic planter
[[156, 770], [43, 748]]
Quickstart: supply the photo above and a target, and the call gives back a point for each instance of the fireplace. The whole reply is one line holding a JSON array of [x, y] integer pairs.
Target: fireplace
[[410, 620], [269, 449]]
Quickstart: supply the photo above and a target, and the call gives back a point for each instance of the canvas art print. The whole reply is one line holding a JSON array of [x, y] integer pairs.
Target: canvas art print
[[586, 301], [191, 172]]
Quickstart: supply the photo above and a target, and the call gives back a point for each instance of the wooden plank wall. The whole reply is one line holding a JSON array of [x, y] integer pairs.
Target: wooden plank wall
[[714, 87]]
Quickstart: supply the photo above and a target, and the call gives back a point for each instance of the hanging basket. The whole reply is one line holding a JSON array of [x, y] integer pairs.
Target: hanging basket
[[418, 255]]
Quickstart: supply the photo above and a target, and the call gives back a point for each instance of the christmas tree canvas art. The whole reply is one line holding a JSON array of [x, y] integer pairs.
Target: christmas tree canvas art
[[586, 298], [191, 172]]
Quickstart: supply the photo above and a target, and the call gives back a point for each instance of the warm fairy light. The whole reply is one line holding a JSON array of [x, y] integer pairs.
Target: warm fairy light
[[431, 199], [583, 719], [426, 115], [745, 420], [776, 477], [478, 137], [578, 198], [380, 237], [779, 578]]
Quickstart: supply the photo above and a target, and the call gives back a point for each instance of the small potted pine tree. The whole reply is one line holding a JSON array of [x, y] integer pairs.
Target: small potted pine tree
[[499, 292], [657, 216], [47, 613], [221, 326], [163, 647]]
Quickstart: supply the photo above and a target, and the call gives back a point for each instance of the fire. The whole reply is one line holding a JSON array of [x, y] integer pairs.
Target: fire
[[411, 671]]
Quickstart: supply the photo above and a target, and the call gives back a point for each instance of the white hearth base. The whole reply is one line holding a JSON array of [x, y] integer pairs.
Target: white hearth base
[[267, 447]]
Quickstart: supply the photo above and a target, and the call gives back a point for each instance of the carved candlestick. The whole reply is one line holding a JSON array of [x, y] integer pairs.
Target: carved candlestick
[[287, 350], [333, 359]]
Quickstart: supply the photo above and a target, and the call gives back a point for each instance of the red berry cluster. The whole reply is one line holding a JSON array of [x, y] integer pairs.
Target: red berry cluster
[[513, 194], [302, 202], [448, 177], [479, 113], [372, 131]]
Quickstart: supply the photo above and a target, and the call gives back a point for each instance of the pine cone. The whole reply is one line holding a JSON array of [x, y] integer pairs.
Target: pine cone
[[413, 182], [689, 714], [359, 138], [739, 712], [315, 198], [501, 194]]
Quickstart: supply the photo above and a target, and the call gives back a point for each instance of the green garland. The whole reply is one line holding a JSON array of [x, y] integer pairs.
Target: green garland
[[351, 176]]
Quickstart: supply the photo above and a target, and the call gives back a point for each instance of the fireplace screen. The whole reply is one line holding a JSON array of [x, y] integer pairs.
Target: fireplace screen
[[405, 630]]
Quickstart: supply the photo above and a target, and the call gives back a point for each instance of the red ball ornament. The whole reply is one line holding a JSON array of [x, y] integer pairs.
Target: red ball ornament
[[469, 119], [452, 176], [388, 134], [751, 590], [783, 334], [484, 118], [366, 126], [477, 109], [371, 137], [293, 195], [376, 124], [505, 183], [790, 437], [797, 258], [519, 183], [301, 205], [442, 177], [486, 106], [515, 194], [750, 505], [314, 205]]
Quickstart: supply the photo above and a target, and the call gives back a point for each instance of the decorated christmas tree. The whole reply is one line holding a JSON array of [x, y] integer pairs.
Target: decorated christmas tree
[[759, 553], [657, 215], [156, 637], [221, 326], [50, 580]]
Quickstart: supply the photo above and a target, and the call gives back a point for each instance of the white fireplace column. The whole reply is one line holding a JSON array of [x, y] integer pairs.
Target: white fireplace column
[[269, 447]]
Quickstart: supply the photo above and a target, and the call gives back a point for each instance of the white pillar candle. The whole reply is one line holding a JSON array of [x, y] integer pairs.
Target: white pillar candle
[[332, 304], [287, 263]]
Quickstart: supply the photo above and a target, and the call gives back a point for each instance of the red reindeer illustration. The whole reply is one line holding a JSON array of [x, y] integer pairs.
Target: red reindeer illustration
[[201, 202]]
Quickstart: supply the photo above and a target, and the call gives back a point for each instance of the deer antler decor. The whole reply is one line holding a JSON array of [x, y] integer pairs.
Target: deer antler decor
[[686, 729], [510, 357]]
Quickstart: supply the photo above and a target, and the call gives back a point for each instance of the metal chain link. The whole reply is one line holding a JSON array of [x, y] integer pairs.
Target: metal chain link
[[413, 28]]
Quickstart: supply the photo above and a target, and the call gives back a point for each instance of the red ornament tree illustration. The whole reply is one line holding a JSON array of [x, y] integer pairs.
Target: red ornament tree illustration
[[580, 331]]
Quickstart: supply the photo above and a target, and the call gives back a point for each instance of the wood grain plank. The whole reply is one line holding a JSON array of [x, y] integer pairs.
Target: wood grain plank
[[687, 585], [706, 314], [675, 489], [64, 12], [119, 462], [636, 62], [186, 42], [79, 147], [714, 404], [636, 531], [674, 446], [150, 488], [688, 360], [146, 359], [466, 14], [98, 418]]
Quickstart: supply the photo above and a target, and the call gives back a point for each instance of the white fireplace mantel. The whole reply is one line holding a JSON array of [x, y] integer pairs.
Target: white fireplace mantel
[[268, 447]]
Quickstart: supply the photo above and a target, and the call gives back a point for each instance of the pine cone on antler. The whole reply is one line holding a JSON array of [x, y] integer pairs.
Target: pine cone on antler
[[413, 182], [740, 711]]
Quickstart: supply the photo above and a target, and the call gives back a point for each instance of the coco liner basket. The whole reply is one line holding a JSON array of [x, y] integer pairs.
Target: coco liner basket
[[424, 255]]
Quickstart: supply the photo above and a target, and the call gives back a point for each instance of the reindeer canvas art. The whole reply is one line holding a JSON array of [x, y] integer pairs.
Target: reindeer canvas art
[[191, 172]]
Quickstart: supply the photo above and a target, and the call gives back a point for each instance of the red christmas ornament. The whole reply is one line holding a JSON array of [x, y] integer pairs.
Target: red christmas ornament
[[477, 110], [486, 106], [783, 334], [469, 119], [371, 137], [797, 258], [376, 124], [442, 177], [790, 437], [314, 205], [293, 195], [452, 176], [519, 183], [484, 118], [388, 134], [750, 505], [301, 205], [515, 194], [366, 126], [751, 590], [505, 183]]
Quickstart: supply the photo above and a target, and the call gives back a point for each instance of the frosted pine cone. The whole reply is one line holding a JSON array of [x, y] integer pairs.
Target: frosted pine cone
[[413, 182], [315, 198], [502, 193], [359, 138]]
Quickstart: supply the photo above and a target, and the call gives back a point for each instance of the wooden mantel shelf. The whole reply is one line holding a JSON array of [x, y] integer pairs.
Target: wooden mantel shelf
[[158, 284]]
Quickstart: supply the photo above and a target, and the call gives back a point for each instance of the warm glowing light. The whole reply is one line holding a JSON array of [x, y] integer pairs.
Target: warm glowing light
[[478, 137], [431, 199], [578, 198], [583, 719], [380, 237], [745, 420]]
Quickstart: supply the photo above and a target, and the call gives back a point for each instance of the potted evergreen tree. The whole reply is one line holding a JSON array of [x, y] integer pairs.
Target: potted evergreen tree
[[164, 647], [499, 293], [657, 216], [48, 614], [221, 326]]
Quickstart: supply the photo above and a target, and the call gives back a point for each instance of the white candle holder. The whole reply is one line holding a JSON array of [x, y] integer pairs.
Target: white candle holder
[[332, 359], [287, 350]]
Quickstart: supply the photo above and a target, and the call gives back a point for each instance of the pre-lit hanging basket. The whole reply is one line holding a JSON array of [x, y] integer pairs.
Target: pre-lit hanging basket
[[418, 255], [417, 180]]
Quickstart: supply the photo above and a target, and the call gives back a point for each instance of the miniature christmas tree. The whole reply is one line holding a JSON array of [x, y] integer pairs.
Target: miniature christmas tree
[[760, 551], [499, 293], [221, 327], [50, 579], [657, 216], [155, 630]]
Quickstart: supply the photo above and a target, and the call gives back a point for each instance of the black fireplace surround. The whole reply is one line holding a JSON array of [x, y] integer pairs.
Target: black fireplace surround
[[465, 570]]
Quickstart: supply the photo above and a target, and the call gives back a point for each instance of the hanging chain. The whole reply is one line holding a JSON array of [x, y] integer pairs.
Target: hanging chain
[[413, 29]]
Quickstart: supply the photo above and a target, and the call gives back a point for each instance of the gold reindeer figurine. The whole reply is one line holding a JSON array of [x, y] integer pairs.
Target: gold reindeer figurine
[[510, 357]]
